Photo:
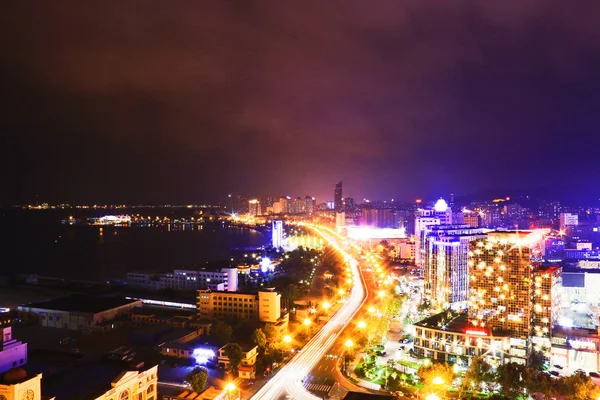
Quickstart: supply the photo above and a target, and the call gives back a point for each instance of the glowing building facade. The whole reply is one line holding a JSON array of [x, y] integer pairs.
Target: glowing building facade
[[445, 264], [503, 296], [254, 207], [277, 233]]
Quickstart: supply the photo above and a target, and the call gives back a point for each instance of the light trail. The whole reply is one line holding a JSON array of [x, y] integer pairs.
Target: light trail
[[289, 378]]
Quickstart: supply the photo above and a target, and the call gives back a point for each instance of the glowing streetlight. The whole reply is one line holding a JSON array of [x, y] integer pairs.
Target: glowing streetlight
[[372, 310], [381, 293], [230, 387], [438, 380], [326, 305], [362, 324], [349, 343], [287, 339], [432, 396], [341, 292], [306, 322]]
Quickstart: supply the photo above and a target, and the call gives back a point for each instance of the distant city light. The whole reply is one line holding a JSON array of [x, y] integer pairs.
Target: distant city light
[[266, 265]]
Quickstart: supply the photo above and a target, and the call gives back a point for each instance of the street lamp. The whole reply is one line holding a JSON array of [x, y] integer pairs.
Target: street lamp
[[362, 324], [349, 343], [287, 339], [432, 396], [230, 387], [326, 305]]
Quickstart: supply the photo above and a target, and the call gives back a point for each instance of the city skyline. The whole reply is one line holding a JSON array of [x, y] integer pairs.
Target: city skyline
[[184, 103]]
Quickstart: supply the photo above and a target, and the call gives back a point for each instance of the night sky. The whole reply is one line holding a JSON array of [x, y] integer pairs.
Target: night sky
[[188, 101]]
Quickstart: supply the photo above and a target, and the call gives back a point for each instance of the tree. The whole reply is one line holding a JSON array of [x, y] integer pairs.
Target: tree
[[259, 339], [537, 360], [271, 333], [234, 352], [509, 378], [576, 387], [535, 382], [221, 332], [197, 379], [479, 372]]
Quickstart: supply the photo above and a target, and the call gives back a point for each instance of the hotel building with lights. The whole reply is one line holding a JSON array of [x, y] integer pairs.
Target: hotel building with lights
[[513, 304]]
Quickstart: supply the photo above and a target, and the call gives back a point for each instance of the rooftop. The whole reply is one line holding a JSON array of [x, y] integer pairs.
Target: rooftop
[[82, 303], [449, 322], [84, 381]]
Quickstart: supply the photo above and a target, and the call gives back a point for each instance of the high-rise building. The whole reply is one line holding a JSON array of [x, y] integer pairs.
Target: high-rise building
[[546, 300], [471, 218], [568, 219], [501, 287], [421, 223], [445, 264], [349, 204], [254, 207], [338, 203], [286, 204], [277, 230], [309, 205], [298, 205]]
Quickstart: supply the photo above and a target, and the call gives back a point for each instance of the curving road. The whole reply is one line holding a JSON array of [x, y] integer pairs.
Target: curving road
[[287, 383]]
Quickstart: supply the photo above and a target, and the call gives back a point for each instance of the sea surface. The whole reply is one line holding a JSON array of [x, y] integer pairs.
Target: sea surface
[[36, 242]]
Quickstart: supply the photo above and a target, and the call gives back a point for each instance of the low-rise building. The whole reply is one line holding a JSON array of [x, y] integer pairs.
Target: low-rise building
[[225, 279], [16, 384], [247, 368], [77, 311], [104, 381], [447, 337], [13, 353]]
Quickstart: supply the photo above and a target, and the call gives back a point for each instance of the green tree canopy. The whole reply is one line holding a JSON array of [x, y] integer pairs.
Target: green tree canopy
[[271, 333], [509, 378], [197, 379], [259, 339], [479, 372], [221, 332], [234, 352]]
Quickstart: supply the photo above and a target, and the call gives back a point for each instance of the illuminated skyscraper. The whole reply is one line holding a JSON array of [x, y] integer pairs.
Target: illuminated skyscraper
[[309, 205], [445, 264], [277, 231], [503, 296], [254, 207], [338, 202]]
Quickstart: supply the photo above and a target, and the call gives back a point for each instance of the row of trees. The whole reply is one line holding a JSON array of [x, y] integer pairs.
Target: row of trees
[[511, 381], [270, 348]]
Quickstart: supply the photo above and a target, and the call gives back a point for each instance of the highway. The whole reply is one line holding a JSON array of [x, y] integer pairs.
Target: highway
[[288, 382]]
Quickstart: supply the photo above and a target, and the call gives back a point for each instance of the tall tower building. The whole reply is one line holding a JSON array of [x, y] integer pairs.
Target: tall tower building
[[445, 264], [502, 288], [277, 233], [338, 202], [309, 205], [254, 207]]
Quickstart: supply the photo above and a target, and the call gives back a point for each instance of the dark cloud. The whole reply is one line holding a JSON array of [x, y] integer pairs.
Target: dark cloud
[[185, 101]]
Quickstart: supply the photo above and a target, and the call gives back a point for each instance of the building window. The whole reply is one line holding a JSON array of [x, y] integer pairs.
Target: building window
[[124, 395], [150, 389]]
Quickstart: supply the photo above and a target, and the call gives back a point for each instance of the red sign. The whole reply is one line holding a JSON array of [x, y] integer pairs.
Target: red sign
[[478, 332]]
